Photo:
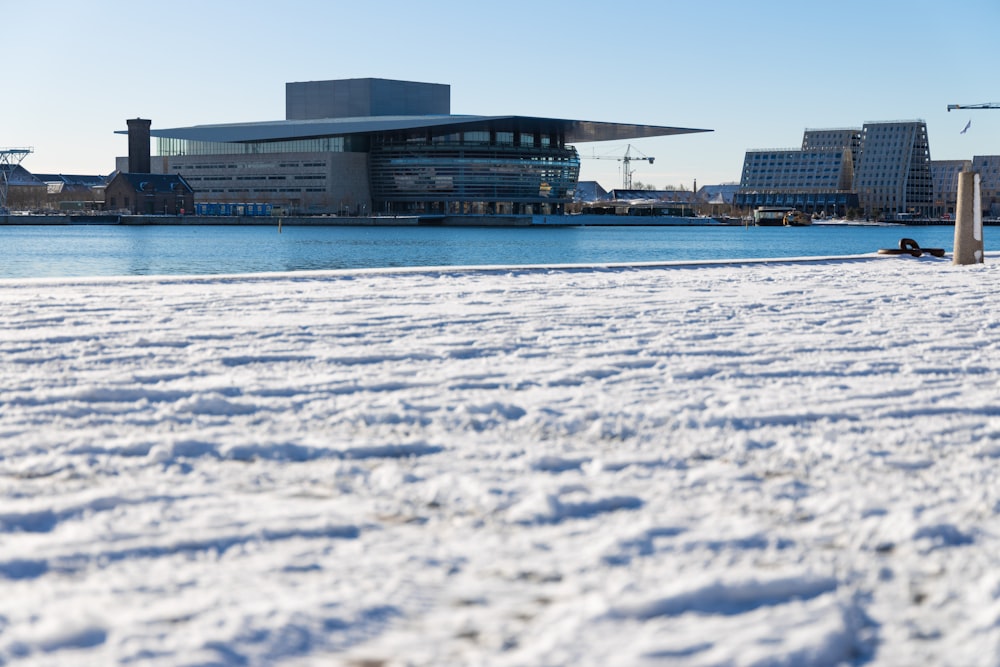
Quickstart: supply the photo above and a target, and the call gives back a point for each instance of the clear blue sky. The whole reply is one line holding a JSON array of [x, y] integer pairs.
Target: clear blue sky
[[757, 73]]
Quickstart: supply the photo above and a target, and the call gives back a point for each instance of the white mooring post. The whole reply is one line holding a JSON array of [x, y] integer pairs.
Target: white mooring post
[[968, 220]]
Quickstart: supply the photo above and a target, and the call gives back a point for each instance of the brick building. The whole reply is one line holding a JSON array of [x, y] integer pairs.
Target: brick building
[[149, 194]]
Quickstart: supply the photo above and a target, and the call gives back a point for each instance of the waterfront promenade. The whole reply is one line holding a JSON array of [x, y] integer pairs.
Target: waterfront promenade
[[393, 220]]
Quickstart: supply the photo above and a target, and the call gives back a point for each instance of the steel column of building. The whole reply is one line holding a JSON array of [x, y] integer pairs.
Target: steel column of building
[[10, 159], [138, 145], [986, 105]]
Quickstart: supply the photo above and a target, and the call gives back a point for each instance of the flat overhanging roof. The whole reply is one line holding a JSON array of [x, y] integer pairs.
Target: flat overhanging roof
[[583, 131], [575, 131]]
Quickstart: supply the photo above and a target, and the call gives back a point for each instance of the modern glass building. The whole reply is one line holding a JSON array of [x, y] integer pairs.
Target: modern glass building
[[376, 146], [501, 166]]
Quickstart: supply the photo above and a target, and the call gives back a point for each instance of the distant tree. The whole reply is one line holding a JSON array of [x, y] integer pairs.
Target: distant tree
[[27, 197], [639, 185]]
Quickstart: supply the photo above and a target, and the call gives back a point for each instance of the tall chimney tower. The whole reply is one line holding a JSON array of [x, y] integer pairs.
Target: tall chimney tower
[[138, 145]]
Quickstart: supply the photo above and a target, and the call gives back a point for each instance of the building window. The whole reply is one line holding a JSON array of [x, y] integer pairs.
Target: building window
[[476, 138]]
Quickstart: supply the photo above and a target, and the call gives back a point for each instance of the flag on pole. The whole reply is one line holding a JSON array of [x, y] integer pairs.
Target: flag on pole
[[966, 128]]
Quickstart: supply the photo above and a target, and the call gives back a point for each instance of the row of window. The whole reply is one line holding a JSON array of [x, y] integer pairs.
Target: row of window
[[786, 169], [175, 147], [793, 155], [792, 169], [282, 165], [432, 175], [884, 165], [255, 177], [892, 130], [882, 185], [477, 138], [256, 190]]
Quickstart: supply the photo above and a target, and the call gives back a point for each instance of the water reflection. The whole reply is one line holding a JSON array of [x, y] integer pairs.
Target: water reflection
[[113, 250]]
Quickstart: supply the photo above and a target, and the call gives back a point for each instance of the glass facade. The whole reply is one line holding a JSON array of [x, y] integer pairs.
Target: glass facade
[[475, 172], [793, 169], [894, 174], [831, 203], [988, 167]]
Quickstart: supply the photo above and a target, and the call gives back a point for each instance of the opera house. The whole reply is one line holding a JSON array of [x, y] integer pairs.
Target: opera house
[[381, 147]]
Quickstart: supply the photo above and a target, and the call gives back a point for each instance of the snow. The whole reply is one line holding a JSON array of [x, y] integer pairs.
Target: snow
[[757, 463]]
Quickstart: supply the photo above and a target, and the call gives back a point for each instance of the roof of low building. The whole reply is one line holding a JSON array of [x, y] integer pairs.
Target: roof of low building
[[87, 180], [154, 182], [663, 196], [590, 191], [722, 193], [19, 176]]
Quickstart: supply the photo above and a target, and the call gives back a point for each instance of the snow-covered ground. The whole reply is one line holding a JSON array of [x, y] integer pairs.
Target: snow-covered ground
[[756, 464]]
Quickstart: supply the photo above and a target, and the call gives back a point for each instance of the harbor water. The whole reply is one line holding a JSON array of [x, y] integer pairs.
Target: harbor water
[[105, 250]]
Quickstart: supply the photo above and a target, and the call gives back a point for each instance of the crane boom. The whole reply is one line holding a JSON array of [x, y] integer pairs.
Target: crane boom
[[987, 105], [625, 161]]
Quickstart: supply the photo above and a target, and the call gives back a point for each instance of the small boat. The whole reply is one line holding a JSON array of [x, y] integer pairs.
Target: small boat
[[769, 217], [796, 219], [780, 216]]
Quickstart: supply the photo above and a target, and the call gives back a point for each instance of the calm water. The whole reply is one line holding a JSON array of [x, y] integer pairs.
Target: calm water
[[96, 250]]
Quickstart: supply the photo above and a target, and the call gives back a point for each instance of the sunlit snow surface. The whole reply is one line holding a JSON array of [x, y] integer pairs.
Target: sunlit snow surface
[[780, 464]]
